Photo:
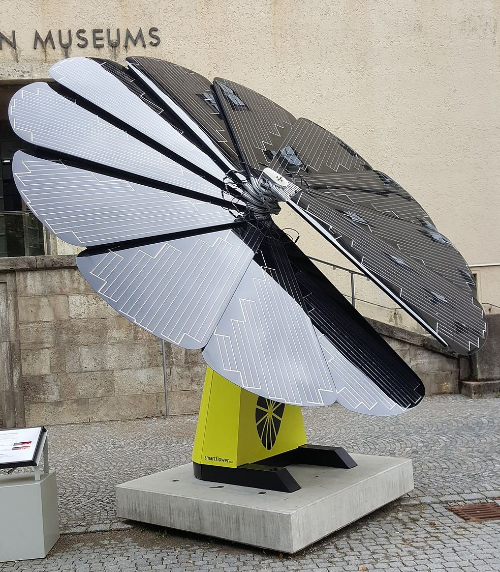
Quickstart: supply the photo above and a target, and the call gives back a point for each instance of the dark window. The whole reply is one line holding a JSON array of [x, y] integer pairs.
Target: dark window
[[21, 234]]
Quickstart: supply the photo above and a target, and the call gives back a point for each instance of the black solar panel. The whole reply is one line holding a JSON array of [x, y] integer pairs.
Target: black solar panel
[[414, 269], [362, 372], [194, 94], [257, 124]]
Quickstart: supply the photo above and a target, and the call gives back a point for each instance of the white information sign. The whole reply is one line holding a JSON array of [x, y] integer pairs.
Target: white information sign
[[21, 447]]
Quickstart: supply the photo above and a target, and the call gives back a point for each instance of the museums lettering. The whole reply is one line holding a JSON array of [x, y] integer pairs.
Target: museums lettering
[[82, 38]]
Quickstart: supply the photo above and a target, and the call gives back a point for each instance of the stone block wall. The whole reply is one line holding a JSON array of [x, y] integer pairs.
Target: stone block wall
[[69, 358], [440, 370], [485, 365]]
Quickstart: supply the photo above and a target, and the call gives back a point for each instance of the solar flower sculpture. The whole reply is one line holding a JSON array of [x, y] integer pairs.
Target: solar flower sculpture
[[169, 181]]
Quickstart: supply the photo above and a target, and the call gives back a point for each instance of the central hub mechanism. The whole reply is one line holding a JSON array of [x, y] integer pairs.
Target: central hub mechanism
[[260, 197], [264, 192]]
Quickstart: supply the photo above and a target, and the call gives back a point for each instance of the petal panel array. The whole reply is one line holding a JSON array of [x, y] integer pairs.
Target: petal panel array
[[143, 166]]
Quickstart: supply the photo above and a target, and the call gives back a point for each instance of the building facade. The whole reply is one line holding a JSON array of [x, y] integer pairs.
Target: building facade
[[412, 86]]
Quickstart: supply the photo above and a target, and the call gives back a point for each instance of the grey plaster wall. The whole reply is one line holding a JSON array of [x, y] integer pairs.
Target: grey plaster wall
[[67, 357]]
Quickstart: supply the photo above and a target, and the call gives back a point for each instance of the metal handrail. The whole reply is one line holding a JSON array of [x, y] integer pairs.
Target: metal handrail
[[336, 266], [353, 292], [352, 273]]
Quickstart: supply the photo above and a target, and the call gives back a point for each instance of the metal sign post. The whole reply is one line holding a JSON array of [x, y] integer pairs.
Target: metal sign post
[[165, 375]]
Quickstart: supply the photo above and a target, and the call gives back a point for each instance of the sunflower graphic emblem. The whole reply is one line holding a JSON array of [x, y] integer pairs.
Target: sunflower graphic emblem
[[268, 416]]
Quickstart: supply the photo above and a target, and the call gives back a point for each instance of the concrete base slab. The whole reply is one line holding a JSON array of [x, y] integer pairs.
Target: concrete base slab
[[287, 522], [29, 521]]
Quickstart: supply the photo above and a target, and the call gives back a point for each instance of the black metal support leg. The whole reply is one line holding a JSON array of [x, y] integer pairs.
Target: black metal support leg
[[271, 474], [336, 457], [253, 475]]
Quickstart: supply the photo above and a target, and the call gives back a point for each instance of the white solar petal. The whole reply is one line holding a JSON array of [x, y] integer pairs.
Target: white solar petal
[[90, 80], [45, 118], [85, 208]]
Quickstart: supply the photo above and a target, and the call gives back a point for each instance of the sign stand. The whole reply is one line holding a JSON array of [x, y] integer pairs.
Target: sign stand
[[46, 469], [29, 520]]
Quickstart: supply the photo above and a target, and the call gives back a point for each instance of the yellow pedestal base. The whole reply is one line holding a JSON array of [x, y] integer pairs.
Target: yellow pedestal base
[[237, 427]]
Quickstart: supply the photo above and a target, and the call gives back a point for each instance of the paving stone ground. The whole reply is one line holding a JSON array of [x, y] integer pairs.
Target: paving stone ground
[[454, 443]]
